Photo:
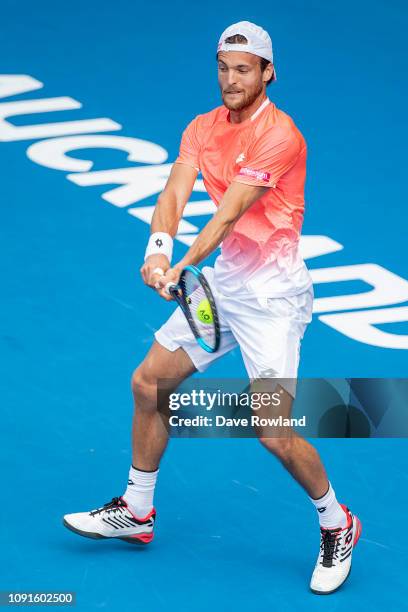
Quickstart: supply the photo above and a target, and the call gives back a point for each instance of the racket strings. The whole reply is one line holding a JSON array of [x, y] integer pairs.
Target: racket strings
[[199, 307]]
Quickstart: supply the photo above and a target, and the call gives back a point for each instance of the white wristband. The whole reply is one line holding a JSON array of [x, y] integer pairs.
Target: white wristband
[[160, 243]]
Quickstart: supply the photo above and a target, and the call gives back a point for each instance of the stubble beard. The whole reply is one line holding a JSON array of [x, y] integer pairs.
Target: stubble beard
[[245, 100]]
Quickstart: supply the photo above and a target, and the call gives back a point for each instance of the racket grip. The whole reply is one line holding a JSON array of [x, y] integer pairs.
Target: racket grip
[[171, 288]]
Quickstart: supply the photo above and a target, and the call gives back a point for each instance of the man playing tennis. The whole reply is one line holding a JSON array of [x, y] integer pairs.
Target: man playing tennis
[[253, 162]]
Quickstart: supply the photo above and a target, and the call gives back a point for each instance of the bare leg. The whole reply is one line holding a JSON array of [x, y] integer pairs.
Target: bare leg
[[299, 457], [149, 434]]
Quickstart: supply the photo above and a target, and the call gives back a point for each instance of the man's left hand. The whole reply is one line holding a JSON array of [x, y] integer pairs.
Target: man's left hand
[[172, 276]]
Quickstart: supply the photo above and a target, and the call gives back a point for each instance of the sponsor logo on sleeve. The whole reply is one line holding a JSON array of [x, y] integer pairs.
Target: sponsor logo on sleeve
[[257, 174]]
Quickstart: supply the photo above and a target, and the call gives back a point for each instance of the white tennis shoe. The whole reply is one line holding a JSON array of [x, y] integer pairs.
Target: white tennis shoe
[[334, 561], [113, 520]]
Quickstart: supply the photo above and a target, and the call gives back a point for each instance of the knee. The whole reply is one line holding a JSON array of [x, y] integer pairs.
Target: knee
[[280, 447], [144, 388]]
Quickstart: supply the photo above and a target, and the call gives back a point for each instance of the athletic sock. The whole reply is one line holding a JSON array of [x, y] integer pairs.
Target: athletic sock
[[140, 491], [331, 514]]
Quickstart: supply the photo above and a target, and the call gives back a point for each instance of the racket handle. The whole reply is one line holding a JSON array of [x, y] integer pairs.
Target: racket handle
[[171, 288]]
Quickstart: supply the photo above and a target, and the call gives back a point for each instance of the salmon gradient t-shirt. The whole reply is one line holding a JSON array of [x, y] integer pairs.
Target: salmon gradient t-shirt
[[261, 254]]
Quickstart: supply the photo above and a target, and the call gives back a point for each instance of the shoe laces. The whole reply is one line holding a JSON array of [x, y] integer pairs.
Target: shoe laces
[[115, 505], [329, 546]]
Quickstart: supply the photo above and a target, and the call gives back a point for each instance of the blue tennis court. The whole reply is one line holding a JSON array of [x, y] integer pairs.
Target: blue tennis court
[[233, 530]]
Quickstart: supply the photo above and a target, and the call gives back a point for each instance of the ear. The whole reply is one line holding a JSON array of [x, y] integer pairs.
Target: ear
[[268, 72]]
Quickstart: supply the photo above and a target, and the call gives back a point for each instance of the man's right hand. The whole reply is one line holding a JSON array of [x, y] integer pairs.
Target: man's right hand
[[151, 263]]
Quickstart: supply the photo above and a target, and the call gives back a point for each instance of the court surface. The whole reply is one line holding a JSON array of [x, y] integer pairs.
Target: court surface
[[233, 530]]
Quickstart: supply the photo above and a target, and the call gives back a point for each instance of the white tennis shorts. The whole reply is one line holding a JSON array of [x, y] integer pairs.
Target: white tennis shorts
[[268, 332]]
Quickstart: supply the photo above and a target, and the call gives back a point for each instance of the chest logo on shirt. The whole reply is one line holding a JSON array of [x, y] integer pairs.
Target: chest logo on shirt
[[257, 174], [240, 158]]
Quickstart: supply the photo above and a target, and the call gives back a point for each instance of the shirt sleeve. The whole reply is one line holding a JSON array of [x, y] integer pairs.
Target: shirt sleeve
[[271, 156], [190, 146]]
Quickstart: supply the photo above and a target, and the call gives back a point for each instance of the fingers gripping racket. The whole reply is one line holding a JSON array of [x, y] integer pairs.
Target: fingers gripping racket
[[196, 300]]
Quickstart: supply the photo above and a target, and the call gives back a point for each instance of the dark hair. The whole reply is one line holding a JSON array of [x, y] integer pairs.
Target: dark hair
[[240, 39]]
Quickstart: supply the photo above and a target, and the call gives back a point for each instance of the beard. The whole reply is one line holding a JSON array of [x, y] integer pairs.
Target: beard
[[245, 100]]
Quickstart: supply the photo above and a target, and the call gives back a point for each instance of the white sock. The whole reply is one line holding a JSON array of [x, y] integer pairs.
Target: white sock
[[140, 491], [331, 514]]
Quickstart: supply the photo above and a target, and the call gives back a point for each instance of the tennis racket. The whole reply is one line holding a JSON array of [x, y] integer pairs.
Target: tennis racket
[[196, 300]]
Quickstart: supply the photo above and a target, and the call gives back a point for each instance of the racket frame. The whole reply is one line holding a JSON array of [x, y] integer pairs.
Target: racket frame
[[181, 300]]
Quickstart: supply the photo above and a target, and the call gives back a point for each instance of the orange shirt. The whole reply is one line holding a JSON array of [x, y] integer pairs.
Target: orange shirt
[[268, 150]]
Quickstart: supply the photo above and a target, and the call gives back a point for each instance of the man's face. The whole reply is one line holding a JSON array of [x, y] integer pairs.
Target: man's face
[[240, 78]]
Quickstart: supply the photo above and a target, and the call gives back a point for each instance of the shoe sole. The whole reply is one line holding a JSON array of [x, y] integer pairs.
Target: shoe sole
[[333, 590], [356, 538], [97, 536]]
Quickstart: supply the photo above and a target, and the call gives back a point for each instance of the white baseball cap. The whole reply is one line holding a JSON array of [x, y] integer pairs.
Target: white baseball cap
[[259, 42]]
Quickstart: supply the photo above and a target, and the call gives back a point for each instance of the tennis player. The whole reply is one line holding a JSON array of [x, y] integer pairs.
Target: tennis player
[[253, 162]]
